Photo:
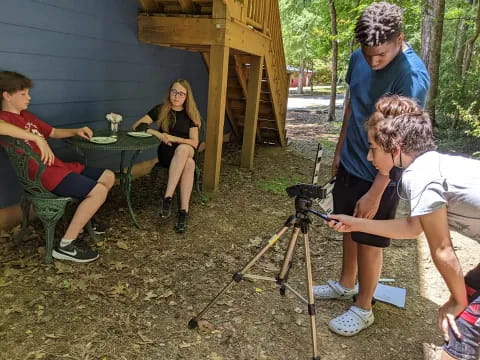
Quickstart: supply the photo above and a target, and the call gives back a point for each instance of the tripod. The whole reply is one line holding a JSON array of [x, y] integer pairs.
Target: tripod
[[300, 222]]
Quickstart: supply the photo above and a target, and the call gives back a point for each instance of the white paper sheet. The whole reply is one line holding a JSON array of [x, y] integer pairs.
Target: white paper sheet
[[390, 294]]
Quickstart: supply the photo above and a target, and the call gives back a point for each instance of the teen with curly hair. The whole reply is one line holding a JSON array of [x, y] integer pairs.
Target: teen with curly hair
[[385, 64], [443, 194]]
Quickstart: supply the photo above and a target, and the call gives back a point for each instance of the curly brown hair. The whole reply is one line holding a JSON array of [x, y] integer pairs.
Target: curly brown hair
[[379, 23], [400, 121]]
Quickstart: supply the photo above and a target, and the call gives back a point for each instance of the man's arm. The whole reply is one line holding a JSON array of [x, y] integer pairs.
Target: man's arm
[[436, 230], [367, 205], [405, 228], [84, 132], [435, 226], [46, 154]]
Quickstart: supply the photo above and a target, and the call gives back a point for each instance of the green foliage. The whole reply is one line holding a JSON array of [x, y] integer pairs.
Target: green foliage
[[278, 186], [306, 30], [471, 117]]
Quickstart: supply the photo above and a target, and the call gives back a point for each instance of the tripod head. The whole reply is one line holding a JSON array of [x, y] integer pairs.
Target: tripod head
[[304, 193]]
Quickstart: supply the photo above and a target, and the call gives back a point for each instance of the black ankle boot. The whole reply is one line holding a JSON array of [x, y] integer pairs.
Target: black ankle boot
[[166, 209], [182, 220]]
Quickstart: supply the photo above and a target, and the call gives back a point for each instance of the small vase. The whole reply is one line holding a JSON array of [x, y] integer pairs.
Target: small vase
[[113, 129]]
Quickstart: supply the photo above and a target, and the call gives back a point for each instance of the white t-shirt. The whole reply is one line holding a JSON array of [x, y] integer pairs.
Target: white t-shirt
[[434, 180]]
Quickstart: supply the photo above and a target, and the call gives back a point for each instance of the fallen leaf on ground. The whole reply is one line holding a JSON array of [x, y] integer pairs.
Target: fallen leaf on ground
[[150, 295], [122, 245]]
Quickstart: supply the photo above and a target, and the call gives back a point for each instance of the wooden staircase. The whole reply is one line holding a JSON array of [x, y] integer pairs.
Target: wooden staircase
[[241, 40]]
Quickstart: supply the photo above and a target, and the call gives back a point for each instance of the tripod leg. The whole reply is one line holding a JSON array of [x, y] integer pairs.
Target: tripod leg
[[311, 299], [287, 262], [238, 276]]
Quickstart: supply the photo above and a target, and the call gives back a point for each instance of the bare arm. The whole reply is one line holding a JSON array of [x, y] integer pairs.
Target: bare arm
[[84, 132], [406, 228], [192, 139], [436, 230], [341, 138], [146, 119], [46, 153], [368, 204], [435, 226]]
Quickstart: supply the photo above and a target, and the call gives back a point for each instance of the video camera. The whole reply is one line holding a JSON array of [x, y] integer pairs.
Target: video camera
[[307, 191]]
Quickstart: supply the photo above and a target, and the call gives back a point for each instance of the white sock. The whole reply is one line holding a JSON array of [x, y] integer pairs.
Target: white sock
[[366, 312], [64, 242]]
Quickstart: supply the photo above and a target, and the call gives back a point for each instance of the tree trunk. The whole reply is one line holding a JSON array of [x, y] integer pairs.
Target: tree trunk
[[471, 43], [427, 30], [333, 89], [300, 76], [433, 64], [347, 89], [460, 44]]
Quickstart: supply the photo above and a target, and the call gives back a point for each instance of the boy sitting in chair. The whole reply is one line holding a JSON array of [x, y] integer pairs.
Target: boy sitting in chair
[[68, 179]]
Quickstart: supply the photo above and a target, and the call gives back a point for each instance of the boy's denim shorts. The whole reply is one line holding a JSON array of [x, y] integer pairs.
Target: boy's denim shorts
[[78, 186], [466, 348]]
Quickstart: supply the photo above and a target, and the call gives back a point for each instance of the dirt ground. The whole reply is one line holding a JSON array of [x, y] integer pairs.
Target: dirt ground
[[136, 300]]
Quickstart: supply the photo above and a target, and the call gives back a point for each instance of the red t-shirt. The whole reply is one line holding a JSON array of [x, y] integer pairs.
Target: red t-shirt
[[54, 173]]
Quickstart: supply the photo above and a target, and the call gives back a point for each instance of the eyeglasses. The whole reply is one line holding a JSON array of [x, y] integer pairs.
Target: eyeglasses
[[180, 94]]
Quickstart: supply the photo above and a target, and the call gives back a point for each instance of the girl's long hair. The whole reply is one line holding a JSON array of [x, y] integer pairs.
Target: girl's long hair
[[166, 116]]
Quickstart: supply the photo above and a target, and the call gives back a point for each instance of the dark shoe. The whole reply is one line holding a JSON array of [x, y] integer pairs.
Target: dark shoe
[[75, 251], [166, 210], [181, 224], [99, 227]]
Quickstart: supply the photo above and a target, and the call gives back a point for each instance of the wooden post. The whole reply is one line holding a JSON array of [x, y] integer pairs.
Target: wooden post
[[251, 113], [217, 94]]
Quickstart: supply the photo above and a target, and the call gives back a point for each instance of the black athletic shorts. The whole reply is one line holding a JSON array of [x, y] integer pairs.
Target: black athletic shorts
[[78, 186], [348, 190]]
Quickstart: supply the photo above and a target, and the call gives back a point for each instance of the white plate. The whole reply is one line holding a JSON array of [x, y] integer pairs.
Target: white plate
[[103, 139], [139, 134]]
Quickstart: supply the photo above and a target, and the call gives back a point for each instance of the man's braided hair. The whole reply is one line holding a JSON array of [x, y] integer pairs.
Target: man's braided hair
[[379, 23]]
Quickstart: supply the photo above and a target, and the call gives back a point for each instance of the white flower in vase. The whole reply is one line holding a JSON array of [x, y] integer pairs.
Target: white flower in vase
[[114, 118]]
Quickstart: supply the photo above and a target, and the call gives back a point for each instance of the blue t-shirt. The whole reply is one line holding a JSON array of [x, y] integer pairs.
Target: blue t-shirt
[[406, 75]]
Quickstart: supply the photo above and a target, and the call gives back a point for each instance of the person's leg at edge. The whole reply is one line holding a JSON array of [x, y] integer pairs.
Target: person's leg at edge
[[179, 160], [370, 260], [186, 184], [349, 262], [446, 356]]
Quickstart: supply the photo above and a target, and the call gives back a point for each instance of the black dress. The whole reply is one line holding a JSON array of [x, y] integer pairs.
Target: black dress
[[180, 127]]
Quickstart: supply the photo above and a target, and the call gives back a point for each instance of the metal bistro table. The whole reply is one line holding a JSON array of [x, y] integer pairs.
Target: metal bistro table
[[123, 144]]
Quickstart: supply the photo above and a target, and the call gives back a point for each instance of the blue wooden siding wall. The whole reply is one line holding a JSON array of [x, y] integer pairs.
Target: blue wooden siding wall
[[85, 61]]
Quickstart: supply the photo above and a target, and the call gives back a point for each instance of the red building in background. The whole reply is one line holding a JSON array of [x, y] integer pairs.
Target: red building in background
[[293, 74]]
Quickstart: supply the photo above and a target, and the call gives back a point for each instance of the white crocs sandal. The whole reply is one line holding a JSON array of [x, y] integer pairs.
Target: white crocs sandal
[[333, 290], [351, 322]]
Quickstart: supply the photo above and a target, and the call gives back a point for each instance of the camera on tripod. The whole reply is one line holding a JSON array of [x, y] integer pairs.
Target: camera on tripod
[[307, 191]]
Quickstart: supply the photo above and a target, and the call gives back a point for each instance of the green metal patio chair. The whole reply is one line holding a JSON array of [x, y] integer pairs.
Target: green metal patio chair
[[49, 207]]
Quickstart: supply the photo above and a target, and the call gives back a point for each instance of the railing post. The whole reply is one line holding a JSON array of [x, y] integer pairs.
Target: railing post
[[251, 114], [217, 94]]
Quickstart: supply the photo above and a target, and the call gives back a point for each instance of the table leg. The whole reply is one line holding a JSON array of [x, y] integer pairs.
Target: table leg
[[126, 182]]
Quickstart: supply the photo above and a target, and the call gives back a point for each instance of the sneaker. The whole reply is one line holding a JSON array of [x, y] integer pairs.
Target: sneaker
[[166, 210], [181, 224], [75, 251]]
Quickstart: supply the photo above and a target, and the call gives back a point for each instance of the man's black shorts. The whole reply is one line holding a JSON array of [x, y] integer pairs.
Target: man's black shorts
[[348, 190]]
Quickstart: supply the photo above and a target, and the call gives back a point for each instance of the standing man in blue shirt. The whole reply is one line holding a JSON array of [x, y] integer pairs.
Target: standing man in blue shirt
[[385, 64]]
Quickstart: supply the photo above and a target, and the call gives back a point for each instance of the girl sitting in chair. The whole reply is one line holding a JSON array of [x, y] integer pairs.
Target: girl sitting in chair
[[178, 122]]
